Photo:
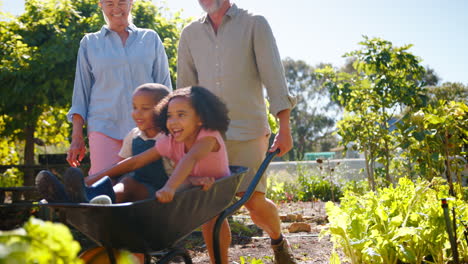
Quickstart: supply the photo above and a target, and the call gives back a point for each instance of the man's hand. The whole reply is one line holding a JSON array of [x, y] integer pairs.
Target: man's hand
[[205, 182], [165, 194], [283, 139]]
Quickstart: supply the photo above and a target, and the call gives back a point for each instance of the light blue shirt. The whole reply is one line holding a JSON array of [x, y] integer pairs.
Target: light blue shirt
[[107, 73]]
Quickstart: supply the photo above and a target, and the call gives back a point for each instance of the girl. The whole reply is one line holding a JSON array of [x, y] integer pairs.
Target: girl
[[193, 120]]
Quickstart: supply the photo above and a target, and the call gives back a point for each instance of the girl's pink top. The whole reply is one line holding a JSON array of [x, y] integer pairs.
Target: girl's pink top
[[214, 164]]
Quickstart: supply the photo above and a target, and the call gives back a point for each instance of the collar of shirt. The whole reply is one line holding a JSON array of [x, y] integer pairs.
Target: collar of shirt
[[105, 29], [232, 11], [143, 135]]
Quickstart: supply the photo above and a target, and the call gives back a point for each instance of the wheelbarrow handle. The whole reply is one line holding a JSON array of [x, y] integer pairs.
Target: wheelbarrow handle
[[253, 184], [234, 207]]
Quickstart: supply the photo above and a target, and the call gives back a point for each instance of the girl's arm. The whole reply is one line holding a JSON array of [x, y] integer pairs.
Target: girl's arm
[[126, 165], [199, 150]]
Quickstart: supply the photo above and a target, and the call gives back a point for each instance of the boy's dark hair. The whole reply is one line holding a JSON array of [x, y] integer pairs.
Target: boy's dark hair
[[209, 107], [157, 91]]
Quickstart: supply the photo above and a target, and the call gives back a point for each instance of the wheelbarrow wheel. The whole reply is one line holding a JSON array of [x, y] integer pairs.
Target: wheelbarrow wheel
[[99, 255]]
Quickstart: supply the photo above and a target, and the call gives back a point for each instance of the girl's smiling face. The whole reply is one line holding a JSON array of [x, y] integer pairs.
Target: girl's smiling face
[[182, 121], [143, 112]]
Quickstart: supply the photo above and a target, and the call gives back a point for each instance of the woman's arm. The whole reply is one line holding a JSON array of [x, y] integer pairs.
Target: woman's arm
[[77, 149], [78, 112], [126, 165], [200, 149]]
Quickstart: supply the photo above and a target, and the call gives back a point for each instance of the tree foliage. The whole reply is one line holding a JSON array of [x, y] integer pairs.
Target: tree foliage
[[448, 91], [38, 57], [310, 119], [431, 141]]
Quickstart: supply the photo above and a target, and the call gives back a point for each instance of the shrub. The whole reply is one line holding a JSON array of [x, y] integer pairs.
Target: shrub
[[281, 191]]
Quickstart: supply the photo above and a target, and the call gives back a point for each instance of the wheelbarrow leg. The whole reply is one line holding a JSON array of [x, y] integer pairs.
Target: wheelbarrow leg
[[176, 252], [147, 259], [110, 253]]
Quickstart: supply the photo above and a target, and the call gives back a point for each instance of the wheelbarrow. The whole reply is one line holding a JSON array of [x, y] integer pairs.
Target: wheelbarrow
[[150, 227]]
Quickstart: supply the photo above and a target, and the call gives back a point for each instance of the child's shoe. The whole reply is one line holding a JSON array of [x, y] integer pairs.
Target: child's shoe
[[103, 186], [50, 188], [75, 185], [101, 199]]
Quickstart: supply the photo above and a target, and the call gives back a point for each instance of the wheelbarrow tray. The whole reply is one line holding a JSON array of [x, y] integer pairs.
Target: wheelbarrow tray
[[148, 225]]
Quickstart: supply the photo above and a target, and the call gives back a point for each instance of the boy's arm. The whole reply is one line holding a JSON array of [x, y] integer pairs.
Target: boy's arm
[[126, 165], [199, 150]]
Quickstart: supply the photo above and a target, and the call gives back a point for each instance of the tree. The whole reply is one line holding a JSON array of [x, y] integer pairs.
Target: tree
[[449, 92], [168, 26], [309, 119], [430, 77], [38, 57], [386, 81]]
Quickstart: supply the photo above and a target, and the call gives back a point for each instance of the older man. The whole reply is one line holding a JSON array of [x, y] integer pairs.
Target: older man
[[234, 54]]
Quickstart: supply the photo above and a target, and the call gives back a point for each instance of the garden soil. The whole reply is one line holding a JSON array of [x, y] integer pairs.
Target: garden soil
[[249, 242]]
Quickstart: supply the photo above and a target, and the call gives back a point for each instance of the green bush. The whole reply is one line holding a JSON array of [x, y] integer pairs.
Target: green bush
[[404, 224], [281, 191], [311, 184], [316, 187]]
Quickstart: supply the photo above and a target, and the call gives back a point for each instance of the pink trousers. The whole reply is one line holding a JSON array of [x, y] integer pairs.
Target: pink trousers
[[103, 151]]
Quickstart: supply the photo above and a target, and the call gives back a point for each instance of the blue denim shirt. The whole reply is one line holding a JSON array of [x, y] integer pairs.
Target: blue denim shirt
[[107, 73]]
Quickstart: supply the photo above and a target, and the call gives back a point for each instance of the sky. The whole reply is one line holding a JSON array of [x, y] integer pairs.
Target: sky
[[322, 31]]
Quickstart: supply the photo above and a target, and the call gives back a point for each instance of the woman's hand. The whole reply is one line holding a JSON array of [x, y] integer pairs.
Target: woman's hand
[[76, 152], [205, 182], [77, 149], [165, 194]]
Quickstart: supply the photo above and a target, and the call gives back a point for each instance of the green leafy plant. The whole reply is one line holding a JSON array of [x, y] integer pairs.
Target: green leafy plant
[[432, 140], [404, 224], [44, 242], [315, 186], [281, 191], [250, 260], [39, 242], [275, 190]]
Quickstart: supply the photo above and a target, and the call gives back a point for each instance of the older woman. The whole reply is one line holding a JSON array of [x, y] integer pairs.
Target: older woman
[[111, 63]]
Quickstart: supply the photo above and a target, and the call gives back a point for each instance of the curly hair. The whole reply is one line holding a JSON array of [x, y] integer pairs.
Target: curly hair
[[209, 107]]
